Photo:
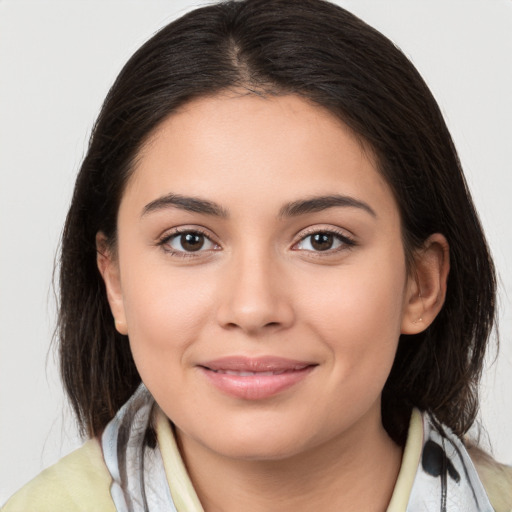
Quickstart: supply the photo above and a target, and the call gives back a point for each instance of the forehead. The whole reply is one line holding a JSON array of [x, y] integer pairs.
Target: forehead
[[233, 146]]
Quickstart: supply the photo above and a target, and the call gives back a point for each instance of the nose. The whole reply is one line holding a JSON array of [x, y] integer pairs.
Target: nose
[[255, 298]]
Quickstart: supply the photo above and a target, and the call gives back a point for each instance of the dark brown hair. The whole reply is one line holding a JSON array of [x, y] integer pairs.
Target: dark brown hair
[[321, 52]]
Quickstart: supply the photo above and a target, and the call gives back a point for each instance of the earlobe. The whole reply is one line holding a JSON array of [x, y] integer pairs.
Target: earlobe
[[109, 270], [426, 287]]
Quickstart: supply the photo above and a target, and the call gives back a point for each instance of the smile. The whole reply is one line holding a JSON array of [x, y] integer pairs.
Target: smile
[[248, 374], [255, 378]]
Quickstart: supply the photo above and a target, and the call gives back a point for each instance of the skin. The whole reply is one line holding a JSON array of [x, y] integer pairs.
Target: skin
[[259, 287]]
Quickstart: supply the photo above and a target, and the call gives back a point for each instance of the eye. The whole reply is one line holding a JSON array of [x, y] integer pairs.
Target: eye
[[188, 242], [323, 241]]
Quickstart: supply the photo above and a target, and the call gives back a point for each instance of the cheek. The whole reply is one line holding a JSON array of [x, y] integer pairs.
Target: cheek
[[165, 311], [363, 298], [359, 318]]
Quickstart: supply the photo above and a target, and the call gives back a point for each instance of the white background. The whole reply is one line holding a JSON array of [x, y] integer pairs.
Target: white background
[[57, 61]]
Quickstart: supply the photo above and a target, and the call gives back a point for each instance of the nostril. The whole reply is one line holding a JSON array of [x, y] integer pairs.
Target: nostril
[[254, 311], [232, 325]]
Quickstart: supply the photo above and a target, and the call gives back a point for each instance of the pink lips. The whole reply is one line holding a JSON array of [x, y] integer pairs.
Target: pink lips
[[255, 378]]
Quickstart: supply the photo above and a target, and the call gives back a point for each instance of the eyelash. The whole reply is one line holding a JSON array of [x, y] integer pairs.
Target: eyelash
[[168, 237], [346, 241]]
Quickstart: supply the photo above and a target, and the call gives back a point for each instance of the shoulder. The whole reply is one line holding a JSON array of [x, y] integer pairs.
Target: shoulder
[[79, 482], [495, 477]]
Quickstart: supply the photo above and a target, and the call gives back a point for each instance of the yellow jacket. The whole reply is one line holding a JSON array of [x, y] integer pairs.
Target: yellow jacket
[[80, 482]]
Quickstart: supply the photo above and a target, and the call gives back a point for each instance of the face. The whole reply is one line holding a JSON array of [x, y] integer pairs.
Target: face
[[260, 276]]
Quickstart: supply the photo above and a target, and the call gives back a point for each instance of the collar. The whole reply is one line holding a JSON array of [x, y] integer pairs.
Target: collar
[[436, 474], [185, 497]]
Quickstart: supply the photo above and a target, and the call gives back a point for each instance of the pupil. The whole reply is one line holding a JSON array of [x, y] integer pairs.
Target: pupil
[[322, 241], [192, 241]]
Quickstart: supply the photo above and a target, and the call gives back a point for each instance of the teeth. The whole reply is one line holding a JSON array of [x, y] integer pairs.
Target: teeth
[[249, 374], [246, 373]]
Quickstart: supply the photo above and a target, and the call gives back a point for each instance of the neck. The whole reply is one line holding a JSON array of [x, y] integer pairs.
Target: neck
[[354, 472]]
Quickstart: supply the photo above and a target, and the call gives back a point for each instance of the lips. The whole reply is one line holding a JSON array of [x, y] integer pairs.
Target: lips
[[255, 378]]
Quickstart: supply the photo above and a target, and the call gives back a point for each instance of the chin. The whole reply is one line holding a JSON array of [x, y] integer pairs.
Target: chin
[[258, 444], [263, 451]]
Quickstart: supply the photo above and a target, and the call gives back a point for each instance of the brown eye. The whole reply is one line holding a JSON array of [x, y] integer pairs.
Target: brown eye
[[192, 241], [189, 241], [322, 241]]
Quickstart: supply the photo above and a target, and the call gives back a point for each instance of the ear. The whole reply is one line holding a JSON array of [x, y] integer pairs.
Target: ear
[[426, 286], [109, 269]]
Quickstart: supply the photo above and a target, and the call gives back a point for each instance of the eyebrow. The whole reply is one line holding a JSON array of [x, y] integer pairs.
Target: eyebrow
[[190, 204], [293, 209], [317, 204]]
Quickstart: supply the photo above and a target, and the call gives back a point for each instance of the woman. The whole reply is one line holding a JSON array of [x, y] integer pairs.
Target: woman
[[272, 232]]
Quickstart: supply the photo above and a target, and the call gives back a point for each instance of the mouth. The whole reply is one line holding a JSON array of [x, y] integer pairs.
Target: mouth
[[255, 378], [261, 374]]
